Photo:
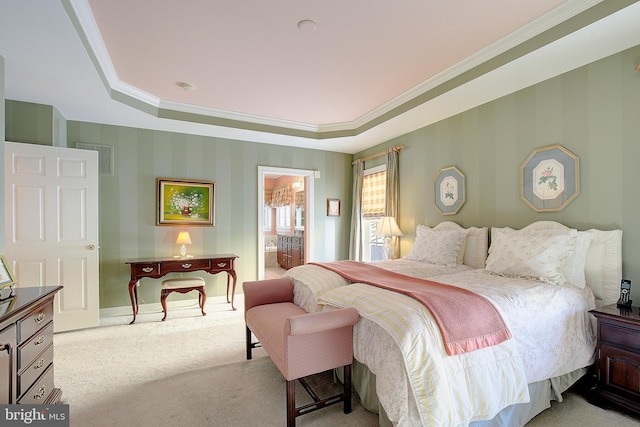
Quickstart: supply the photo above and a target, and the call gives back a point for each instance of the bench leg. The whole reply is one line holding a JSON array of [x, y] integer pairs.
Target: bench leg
[[249, 345], [347, 389], [291, 403]]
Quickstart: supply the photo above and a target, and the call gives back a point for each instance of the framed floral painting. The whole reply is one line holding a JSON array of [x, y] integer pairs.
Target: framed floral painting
[[449, 191], [549, 178], [185, 202]]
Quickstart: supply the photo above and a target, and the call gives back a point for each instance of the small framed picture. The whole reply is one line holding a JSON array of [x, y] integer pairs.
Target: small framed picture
[[333, 207], [7, 279], [6, 276]]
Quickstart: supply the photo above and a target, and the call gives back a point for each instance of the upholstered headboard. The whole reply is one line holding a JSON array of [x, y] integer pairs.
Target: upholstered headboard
[[476, 245], [603, 268]]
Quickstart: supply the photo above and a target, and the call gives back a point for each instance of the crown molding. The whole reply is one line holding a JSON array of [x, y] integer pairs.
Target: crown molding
[[81, 15]]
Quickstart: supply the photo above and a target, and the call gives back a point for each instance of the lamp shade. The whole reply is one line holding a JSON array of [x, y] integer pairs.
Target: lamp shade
[[183, 238], [388, 227]]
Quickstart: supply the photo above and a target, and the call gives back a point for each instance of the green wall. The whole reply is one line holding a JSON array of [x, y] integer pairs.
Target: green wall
[[593, 111], [128, 200]]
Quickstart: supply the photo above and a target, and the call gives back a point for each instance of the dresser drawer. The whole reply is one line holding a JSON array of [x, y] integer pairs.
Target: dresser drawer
[[28, 325], [33, 371], [186, 265], [39, 391], [31, 348]]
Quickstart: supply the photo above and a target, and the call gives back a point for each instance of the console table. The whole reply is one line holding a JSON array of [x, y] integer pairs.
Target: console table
[[155, 268]]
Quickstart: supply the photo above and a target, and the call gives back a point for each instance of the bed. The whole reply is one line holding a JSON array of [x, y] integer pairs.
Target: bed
[[311, 281], [505, 384]]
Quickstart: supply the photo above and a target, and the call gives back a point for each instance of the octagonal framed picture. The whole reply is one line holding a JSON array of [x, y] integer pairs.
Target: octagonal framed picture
[[549, 178], [449, 190]]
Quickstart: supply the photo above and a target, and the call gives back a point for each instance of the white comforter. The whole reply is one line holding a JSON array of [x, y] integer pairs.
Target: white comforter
[[311, 281], [418, 384]]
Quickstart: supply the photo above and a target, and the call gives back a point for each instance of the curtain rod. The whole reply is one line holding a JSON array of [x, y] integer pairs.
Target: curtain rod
[[382, 153]]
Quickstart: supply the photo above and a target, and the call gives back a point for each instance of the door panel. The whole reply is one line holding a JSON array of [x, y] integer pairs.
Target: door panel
[[51, 227]]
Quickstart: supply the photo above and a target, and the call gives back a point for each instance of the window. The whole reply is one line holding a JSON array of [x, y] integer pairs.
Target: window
[[283, 218], [373, 208], [268, 218]]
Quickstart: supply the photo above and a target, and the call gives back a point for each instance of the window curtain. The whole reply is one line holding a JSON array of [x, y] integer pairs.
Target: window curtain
[[300, 199], [268, 196], [281, 196], [392, 193], [355, 242]]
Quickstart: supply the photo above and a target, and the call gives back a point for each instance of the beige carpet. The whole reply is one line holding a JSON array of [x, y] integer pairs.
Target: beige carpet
[[191, 371]]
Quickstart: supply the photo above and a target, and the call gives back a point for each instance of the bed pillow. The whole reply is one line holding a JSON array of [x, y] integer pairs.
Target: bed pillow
[[539, 255], [574, 267], [437, 247]]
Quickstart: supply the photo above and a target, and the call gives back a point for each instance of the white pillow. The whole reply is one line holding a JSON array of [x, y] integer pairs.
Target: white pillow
[[539, 255], [437, 247], [574, 267]]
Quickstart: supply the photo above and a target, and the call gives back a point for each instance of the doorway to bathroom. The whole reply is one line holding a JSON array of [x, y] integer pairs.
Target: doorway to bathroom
[[285, 212]]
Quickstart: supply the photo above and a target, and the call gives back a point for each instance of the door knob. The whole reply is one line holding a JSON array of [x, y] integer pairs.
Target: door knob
[[91, 247]]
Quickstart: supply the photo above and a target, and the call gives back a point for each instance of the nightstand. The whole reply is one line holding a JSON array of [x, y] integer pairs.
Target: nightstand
[[618, 356]]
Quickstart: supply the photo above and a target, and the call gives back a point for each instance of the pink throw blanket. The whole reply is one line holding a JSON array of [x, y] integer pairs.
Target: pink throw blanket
[[467, 321]]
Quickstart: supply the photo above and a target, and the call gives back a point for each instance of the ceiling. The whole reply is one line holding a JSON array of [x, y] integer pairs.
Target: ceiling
[[331, 75]]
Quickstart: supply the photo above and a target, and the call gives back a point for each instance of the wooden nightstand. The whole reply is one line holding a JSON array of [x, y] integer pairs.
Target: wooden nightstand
[[618, 356]]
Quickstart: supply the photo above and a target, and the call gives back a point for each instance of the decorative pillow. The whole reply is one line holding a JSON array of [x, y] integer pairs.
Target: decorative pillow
[[437, 247], [574, 267], [538, 255]]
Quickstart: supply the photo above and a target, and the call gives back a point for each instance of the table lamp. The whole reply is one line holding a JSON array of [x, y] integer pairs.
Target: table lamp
[[388, 228], [183, 239]]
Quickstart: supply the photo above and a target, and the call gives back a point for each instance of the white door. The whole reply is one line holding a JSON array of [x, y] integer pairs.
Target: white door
[[51, 227]]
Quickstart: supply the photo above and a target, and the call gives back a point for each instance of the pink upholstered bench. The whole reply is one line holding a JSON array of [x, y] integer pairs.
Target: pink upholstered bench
[[299, 343]]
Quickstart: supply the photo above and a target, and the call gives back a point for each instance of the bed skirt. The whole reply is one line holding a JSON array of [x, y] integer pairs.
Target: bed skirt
[[542, 393]]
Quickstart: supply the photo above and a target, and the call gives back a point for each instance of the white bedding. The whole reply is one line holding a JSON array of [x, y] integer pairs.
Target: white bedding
[[553, 335], [311, 281]]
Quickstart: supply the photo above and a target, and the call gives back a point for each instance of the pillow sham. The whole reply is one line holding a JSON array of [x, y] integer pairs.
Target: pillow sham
[[575, 265], [437, 247], [539, 255]]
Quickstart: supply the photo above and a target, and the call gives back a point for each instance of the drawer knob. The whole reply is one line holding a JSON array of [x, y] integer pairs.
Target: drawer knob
[[187, 265], [222, 264], [147, 269], [39, 341], [39, 318], [39, 365], [40, 394]]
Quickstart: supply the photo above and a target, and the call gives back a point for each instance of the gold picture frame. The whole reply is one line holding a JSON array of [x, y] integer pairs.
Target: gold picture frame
[[449, 190], [7, 279], [550, 178], [185, 202]]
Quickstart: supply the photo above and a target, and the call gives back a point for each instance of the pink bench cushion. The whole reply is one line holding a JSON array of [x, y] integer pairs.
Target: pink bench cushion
[[267, 324]]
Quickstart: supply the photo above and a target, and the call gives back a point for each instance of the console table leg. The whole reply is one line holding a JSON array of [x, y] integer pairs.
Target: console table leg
[[133, 295]]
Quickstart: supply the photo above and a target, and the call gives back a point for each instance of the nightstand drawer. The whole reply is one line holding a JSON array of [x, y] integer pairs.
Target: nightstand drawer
[[619, 335]]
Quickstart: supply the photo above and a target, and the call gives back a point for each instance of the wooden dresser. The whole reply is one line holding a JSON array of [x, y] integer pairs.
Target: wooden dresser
[[290, 251], [618, 356], [26, 347]]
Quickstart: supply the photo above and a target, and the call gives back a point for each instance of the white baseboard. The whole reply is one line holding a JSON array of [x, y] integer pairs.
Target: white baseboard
[[156, 307]]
